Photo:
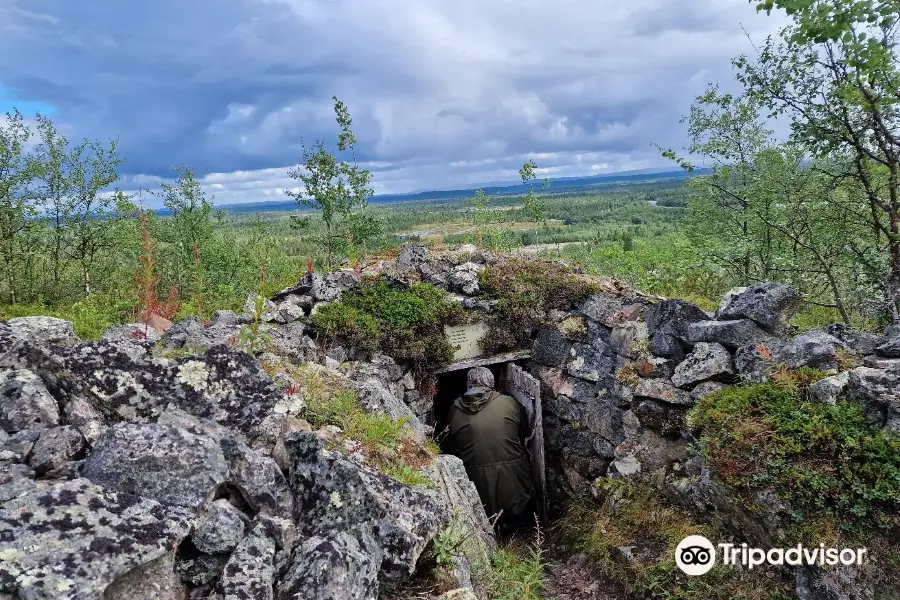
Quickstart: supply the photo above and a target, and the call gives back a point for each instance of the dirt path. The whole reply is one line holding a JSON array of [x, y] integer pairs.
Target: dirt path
[[571, 577]]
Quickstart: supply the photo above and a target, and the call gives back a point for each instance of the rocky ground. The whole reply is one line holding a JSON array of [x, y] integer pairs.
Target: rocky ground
[[172, 464]]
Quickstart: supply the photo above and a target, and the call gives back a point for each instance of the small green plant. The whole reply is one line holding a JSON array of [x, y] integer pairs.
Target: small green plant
[[518, 571], [387, 445], [251, 336]]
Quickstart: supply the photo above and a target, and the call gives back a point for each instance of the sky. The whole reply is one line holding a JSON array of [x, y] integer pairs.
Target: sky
[[443, 93]]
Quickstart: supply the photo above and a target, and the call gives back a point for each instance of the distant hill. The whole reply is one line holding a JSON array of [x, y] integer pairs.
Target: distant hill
[[562, 184]]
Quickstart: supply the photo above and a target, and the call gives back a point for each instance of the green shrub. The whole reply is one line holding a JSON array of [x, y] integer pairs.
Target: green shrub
[[634, 514], [527, 290], [407, 324], [824, 461], [517, 571], [91, 316], [347, 325]]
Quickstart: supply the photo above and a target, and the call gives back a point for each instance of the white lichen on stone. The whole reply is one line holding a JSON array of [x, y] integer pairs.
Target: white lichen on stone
[[336, 500], [194, 374], [219, 390]]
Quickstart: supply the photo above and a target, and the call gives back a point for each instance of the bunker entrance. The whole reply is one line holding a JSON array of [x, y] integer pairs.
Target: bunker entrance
[[509, 378]]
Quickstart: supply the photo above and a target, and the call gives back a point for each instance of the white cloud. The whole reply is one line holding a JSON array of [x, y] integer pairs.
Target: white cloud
[[443, 93]]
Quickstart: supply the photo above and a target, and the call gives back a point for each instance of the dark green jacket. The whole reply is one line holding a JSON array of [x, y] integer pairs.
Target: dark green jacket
[[487, 430]]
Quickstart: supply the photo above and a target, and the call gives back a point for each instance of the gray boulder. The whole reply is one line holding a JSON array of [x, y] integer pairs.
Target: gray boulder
[[602, 308], [44, 331], [859, 342], [878, 391], [15, 479], [220, 529], [250, 571], [131, 332], [160, 462], [751, 365], [25, 401], [706, 361], [731, 334], [464, 278], [672, 317], [124, 383], [662, 390], [770, 305], [258, 479], [56, 447], [889, 344], [336, 567], [830, 389], [76, 540], [630, 339], [812, 349], [454, 489], [392, 522], [376, 398], [81, 415], [551, 347], [706, 388], [593, 361], [666, 345]]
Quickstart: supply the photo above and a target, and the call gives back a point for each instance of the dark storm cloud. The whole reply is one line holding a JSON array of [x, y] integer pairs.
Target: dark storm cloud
[[442, 92]]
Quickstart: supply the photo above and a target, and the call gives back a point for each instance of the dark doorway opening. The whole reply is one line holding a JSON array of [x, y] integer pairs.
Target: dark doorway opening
[[452, 384]]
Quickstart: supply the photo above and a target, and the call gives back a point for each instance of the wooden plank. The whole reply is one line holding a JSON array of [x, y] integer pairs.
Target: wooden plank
[[527, 391], [488, 360]]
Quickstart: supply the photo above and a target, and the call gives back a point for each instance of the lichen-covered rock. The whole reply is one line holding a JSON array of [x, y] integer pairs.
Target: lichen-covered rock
[[76, 540], [124, 383], [551, 347], [335, 567], [830, 389], [16, 479], [456, 491], [258, 478], [812, 349], [860, 343], [706, 361], [25, 401], [332, 493], [731, 334], [131, 332], [593, 361], [373, 395], [44, 331], [629, 339], [672, 318], [250, 572], [602, 308], [662, 390], [464, 278], [767, 304], [220, 528], [56, 447], [161, 462], [706, 388], [81, 415], [667, 346], [752, 365], [878, 391]]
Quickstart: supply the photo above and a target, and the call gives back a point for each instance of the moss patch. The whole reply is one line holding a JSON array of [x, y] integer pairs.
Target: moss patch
[[823, 461], [631, 537], [527, 291], [408, 324]]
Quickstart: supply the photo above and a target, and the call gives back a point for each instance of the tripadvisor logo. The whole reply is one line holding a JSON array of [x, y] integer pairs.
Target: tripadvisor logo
[[696, 555]]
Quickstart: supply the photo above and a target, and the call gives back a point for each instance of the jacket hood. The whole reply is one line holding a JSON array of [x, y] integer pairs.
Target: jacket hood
[[476, 398]]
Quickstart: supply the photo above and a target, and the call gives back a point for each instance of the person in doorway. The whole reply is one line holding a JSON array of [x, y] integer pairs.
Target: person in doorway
[[487, 431]]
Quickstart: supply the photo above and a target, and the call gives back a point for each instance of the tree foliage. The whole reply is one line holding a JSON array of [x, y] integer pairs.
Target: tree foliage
[[339, 190]]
